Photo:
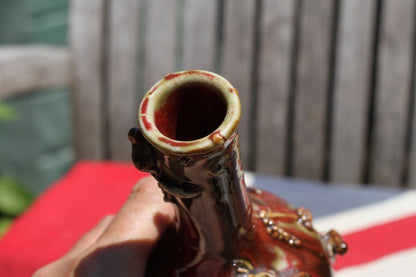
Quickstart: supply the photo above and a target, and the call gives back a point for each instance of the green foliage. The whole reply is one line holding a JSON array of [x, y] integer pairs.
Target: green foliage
[[14, 199], [27, 22], [5, 223], [7, 112]]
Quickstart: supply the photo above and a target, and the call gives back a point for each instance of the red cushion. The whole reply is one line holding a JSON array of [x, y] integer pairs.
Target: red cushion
[[62, 214]]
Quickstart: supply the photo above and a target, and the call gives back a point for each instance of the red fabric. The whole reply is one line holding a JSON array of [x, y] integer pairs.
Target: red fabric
[[91, 190], [373, 243], [62, 214]]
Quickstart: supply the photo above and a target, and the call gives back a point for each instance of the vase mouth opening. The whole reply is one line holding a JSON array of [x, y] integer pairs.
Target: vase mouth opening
[[189, 111]]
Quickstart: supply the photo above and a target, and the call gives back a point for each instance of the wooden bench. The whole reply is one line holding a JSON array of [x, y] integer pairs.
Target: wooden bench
[[327, 87]]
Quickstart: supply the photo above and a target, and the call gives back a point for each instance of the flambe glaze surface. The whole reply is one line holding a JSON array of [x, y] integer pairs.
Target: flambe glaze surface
[[188, 140]]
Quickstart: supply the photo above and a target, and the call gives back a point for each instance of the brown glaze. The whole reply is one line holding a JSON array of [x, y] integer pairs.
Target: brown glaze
[[222, 228]]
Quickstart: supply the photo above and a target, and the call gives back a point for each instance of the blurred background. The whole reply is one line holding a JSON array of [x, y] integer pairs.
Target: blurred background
[[36, 140], [35, 127], [327, 86]]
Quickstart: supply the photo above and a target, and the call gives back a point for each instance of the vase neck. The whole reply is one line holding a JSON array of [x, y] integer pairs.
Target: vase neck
[[189, 143], [211, 199]]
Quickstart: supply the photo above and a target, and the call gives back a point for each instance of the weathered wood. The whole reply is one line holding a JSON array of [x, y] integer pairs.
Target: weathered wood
[[194, 40], [160, 40], [237, 61], [351, 91], [199, 36], [312, 85], [86, 42], [123, 93], [411, 166], [274, 77], [393, 84], [412, 155], [29, 68]]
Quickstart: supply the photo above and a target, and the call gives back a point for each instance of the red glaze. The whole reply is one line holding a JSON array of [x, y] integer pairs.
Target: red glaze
[[153, 90], [222, 229], [146, 123], [217, 138], [166, 116], [189, 72], [172, 76], [233, 90], [143, 115], [175, 142], [237, 232], [301, 248], [256, 251], [183, 116], [144, 105]]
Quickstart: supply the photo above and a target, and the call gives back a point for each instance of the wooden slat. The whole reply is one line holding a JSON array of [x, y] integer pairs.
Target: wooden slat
[[160, 40], [412, 155], [199, 36], [394, 77], [351, 92], [123, 93], [29, 68], [237, 62], [312, 85], [86, 38], [411, 166], [274, 76]]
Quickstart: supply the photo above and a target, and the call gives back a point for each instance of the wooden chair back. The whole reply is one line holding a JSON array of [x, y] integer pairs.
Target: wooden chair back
[[327, 87]]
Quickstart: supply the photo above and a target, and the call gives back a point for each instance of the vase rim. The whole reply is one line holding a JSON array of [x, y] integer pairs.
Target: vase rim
[[158, 95]]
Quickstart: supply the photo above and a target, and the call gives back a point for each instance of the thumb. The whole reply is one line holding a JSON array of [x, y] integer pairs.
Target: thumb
[[123, 248]]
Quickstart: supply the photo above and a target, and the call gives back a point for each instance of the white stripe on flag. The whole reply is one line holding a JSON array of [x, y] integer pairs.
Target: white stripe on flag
[[364, 217], [397, 264]]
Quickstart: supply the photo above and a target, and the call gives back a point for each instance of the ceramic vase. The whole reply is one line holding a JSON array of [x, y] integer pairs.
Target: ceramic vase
[[188, 140]]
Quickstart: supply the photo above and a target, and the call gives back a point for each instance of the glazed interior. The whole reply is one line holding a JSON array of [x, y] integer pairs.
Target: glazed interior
[[190, 112]]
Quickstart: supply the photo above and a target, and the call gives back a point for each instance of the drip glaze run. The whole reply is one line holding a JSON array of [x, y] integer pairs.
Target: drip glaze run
[[189, 72], [217, 138]]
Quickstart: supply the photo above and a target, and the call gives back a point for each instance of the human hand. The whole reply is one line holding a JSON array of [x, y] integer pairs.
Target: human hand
[[119, 245]]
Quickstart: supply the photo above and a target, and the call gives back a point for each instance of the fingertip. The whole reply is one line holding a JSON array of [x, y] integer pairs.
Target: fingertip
[[145, 184], [90, 237], [143, 217]]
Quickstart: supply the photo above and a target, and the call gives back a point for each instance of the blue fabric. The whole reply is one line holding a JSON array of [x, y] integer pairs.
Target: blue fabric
[[323, 199]]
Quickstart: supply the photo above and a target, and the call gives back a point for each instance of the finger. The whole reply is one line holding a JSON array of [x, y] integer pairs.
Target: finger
[[124, 246], [143, 217], [59, 268], [62, 266], [91, 236]]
